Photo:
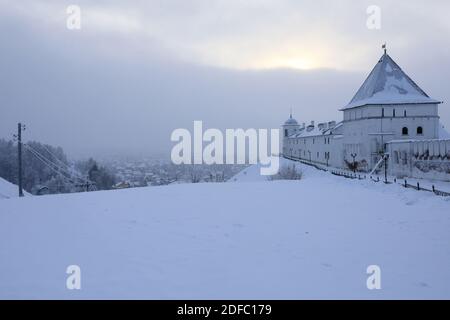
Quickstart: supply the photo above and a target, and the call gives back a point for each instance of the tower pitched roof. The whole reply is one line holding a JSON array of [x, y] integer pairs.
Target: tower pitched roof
[[387, 83]]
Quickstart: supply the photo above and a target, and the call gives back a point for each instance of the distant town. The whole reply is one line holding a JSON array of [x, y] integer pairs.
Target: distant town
[[156, 172]]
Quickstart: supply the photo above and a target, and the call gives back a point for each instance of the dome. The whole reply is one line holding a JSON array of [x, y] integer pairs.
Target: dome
[[291, 121]]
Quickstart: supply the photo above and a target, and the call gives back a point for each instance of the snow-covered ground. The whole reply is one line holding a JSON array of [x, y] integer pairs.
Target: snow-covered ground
[[311, 238]]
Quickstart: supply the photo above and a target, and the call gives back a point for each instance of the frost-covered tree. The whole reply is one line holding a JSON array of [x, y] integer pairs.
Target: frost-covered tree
[[103, 178], [37, 173]]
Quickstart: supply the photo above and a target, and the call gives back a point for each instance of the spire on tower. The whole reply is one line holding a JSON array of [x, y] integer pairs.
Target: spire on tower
[[384, 47]]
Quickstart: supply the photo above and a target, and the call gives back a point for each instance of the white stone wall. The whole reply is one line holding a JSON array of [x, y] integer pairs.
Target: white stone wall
[[367, 129], [420, 159], [322, 149]]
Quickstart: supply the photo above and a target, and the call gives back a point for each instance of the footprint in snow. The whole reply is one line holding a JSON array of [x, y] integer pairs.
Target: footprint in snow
[[423, 284]]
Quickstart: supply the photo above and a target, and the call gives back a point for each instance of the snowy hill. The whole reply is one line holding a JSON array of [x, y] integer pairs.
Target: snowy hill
[[312, 238], [8, 190]]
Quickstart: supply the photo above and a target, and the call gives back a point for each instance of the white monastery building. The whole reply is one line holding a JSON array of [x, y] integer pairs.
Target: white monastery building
[[390, 117]]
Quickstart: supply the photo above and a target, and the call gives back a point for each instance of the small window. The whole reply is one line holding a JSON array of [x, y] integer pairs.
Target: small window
[[285, 132], [404, 113], [393, 113], [382, 112], [405, 131], [419, 130]]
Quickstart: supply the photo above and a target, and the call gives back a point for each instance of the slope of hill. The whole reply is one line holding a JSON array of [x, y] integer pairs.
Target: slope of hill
[[8, 190], [252, 173], [312, 238]]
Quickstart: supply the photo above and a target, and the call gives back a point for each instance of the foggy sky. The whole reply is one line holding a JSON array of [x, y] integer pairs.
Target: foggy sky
[[137, 70]]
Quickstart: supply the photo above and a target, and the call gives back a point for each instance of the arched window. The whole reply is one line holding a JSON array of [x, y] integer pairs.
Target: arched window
[[404, 113], [393, 113], [419, 130], [285, 132], [405, 131]]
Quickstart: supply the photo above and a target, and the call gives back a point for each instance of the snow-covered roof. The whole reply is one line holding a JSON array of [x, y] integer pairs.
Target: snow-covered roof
[[387, 83], [314, 130]]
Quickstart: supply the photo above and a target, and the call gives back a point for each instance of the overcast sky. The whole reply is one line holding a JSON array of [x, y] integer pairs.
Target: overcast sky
[[136, 70]]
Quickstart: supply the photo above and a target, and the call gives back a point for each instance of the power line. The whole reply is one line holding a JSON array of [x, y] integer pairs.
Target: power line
[[69, 169], [59, 167], [44, 161], [56, 158], [87, 183]]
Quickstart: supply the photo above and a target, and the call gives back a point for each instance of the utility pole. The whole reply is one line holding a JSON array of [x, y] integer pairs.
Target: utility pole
[[19, 149], [385, 168]]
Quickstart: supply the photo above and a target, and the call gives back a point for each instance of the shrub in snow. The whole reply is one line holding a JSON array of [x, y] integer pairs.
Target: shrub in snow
[[353, 166], [362, 165], [427, 166], [287, 172]]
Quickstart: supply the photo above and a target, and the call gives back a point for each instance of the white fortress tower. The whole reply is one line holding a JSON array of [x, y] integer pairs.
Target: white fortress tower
[[388, 106], [390, 115]]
